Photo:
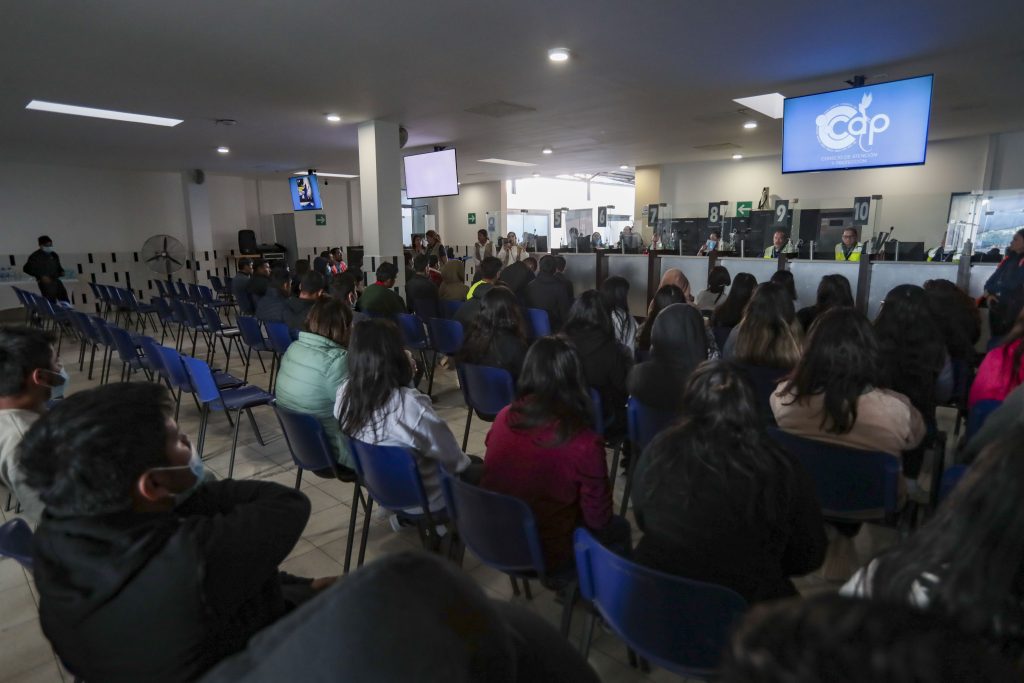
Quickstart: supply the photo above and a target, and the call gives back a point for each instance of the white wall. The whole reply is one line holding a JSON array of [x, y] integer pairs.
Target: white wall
[[275, 197], [233, 207], [916, 198], [1008, 162], [453, 212]]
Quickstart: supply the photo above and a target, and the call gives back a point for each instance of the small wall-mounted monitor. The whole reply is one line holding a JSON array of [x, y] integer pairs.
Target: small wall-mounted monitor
[[305, 193], [434, 174], [865, 127]]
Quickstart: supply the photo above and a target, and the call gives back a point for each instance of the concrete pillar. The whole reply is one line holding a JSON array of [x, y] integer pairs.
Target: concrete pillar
[[199, 225], [380, 192], [648, 191]]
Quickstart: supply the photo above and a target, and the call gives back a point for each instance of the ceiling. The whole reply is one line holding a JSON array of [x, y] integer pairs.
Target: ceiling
[[650, 81]]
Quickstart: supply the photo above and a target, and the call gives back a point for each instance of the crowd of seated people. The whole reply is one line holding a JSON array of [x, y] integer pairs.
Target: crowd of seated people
[[715, 496]]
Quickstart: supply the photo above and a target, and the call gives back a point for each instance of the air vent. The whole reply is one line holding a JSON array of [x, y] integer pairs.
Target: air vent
[[499, 109], [718, 147]]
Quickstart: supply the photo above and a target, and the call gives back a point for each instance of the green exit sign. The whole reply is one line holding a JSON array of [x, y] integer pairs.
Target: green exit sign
[[472, 218], [743, 209], [321, 219]]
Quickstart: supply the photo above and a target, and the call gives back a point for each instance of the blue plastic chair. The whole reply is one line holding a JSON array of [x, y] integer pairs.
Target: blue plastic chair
[[211, 398], [227, 336], [178, 378], [643, 423], [486, 390], [450, 308], [415, 338], [143, 312], [425, 309], [127, 352], [16, 542], [279, 338], [977, 415], [181, 290], [950, 478], [502, 532], [161, 287], [446, 336], [849, 481], [206, 298], [538, 322], [252, 337], [195, 324], [678, 624], [311, 450], [392, 479], [104, 338]]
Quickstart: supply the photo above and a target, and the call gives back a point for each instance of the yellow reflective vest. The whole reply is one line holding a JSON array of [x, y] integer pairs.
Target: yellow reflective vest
[[854, 254]]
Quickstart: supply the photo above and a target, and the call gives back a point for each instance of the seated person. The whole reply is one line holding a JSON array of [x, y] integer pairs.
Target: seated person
[[516, 276], [420, 288], [311, 288], [345, 287], [257, 286], [957, 316], [240, 287], [833, 292], [301, 268], [729, 313], [453, 285], [678, 346], [831, 639], [548, 293], [543, 449], [1002, 370], [497, 336], [314, 367], [145, 571], [615, 290], [663, 298], [30, 373], [380, 297], [718, 280], [719, 501], [563, 278], [488, 272], [378, 405], [769, 335], [273, 306]]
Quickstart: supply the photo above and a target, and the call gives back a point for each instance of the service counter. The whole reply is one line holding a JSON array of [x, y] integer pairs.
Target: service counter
[[807, 274], [761, 268], [636, 269], [885, 275]]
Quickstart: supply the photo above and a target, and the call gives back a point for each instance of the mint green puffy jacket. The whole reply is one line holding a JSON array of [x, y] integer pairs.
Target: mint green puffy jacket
[[311, 371]]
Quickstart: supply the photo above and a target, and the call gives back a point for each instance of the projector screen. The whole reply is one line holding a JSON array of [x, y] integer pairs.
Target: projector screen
[[433, 174], [865, 127], [305, 193]]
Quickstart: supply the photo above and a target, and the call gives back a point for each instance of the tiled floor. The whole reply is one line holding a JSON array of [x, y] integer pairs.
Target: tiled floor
[[26, 656]]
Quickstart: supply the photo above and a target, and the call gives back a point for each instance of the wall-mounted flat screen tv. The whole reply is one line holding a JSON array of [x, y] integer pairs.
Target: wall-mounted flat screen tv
[[433, 174], [305, 193], [865, 127]]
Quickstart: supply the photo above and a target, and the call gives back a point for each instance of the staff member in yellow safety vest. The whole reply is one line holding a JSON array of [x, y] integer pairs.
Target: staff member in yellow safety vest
[[778, 242], [849, 249]]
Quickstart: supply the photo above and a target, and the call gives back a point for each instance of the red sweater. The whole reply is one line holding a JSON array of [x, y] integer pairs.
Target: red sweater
[[564, 485]]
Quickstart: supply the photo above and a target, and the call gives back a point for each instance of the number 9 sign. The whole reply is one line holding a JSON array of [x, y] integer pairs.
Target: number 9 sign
[[781, 211]]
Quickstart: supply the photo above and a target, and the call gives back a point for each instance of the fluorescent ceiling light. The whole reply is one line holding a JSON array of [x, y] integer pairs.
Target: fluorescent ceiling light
[[536, 175], [328, 175], [624, 167], [558, 54], [547, 150], [769, 105], [737, 156], [749, 125], [333, 118], [506, 162], [223, 150], [40, 105]]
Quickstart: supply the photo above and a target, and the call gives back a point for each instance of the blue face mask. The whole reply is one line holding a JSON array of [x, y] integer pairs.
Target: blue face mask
[[59, 383], [195, 464], [712, 244], [48, 250]]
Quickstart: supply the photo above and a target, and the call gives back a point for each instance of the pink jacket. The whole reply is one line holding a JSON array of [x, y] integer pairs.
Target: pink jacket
[[995, 378]]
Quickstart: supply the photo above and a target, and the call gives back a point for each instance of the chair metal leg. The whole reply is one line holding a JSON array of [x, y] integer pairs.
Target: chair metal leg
[[366, 530], [631, 655], [515, 586], [629, 484], [465, 436], [570, 602], [255, 427], [298, 477], [234, 444], [92, 361], [526, 589], [615, 465], [587, 635], [248, 354], [204, 419], [357, 499], [433, 369]]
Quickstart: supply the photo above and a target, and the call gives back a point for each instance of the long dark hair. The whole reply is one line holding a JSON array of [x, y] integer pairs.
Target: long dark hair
[[973, 546], [615, 291], [785, 278], [833, 291], [499, 314], [730, 312], [956, 315], [720, 435], [841, 361], [663, 298], [589, 315], [552, 391], [377, 367], [679, 339], [718, 279], [912, 347], [767, 336]]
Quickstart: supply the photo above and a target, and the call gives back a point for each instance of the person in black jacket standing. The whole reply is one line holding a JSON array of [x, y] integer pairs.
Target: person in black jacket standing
[[44, 265], [419, 287], [145, 571], [549, 293]]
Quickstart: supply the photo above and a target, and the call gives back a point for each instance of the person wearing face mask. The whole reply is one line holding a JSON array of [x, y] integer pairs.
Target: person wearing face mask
[[511, 251], [44, 265], [711, 245], [1004, 291], [30, 375], [145, 571]]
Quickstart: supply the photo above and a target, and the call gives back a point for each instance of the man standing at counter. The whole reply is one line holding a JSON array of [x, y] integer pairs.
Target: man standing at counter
[[44, 265], [849, 249]]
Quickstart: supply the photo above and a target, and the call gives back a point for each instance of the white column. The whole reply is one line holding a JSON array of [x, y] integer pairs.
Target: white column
[[380, 192], [199, 225]]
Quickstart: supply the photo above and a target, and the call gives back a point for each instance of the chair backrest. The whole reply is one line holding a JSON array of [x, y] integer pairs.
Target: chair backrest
[[16, 542], [182, 290], [450, 308], [539, 323], [212, 318], [217, 284], [174, 369], [250, 329], [205, 294], [847, 480], [501, 530], [123, 343], [411, 328], [179, 310], [390, 474], [446, 335], [102, 332], [153, 358], [163, 311], [306, 439], [596, 408], [192, 318], [280, 337], [426, 308], [202, 379], [95, 291], [644, 423], [676, 623], [978, 413], [160, 286], [487, 390]]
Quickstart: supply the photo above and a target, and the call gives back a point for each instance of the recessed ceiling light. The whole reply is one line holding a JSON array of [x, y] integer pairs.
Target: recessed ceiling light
[[506, 162], [547, 150], [769, 105], [327, 175], [750, 124], [558, 54], [333, 118], [737, 156], [223, 150], [536, 175], [54, 107], [624, 167]]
